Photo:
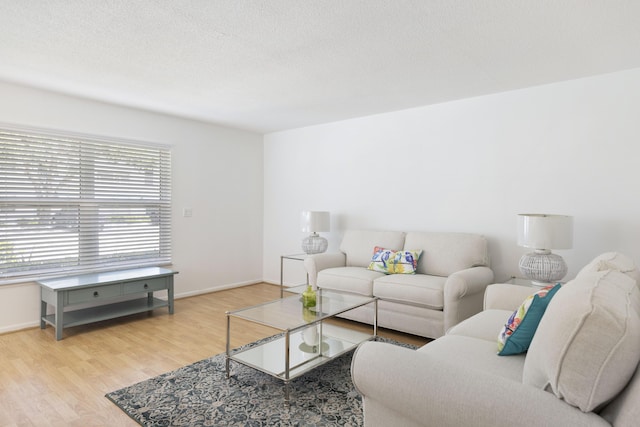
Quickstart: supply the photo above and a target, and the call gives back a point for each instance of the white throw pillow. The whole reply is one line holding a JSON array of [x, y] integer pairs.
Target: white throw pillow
[[612, 261], [587, 345]]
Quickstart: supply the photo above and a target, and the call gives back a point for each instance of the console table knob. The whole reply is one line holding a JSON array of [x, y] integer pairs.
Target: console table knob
[[95, 294]]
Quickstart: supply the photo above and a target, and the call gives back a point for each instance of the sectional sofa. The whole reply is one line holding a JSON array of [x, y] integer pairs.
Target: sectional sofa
[[580, 368]]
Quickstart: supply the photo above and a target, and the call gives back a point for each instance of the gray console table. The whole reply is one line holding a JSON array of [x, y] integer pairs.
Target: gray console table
[[93, 296]]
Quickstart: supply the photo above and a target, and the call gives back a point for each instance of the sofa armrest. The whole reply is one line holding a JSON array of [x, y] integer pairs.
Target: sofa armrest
[[318, 262], [467, 282], [505, 296], [464, 293], [426, 390]]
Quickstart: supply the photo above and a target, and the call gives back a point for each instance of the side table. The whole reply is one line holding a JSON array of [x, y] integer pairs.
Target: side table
[[294, 257]]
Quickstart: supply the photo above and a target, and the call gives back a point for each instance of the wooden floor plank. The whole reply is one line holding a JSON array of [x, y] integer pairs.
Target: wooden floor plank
[[44, 382]]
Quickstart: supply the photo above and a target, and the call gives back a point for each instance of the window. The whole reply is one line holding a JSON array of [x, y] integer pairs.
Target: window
[[75, 203]]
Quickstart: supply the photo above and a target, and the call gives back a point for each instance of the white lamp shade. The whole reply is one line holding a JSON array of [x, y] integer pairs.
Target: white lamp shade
[[314, 221], [542, 231]]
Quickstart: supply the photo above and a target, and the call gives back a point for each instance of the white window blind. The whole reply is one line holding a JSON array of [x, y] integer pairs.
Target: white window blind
[[73, 204]]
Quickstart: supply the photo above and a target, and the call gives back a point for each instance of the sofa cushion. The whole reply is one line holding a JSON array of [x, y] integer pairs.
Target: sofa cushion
[[356, 280], [445, 253], [482, 325], [389, 261], [415, 289], [612, 261], [475, 353], [358, 245], [516, 335], [587, 345]]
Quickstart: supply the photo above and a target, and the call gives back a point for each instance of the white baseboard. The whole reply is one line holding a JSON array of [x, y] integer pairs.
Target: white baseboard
[[19, 327], [216, 289]]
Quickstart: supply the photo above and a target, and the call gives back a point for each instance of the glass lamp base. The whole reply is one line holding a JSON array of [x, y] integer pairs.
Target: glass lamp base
[[543, 267], [314, 244]]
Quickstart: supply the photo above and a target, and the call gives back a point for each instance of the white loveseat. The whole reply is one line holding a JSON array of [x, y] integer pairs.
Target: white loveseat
[[581, 368], [448, 287]]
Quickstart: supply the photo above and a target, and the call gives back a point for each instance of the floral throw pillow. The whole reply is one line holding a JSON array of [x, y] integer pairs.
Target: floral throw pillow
[[388, 261], [515, 337]]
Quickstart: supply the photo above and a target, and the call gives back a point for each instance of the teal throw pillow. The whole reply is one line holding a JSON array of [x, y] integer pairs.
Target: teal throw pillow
[[515, 337]]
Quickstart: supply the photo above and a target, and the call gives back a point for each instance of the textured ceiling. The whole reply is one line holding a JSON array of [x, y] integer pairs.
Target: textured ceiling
[[267, 65]]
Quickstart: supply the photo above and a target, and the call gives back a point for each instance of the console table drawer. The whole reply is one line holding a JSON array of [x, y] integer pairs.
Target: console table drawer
[[148, 285], [93, 294]]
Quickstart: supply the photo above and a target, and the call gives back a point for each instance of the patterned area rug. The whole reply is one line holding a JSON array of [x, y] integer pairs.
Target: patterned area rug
[[200, 395]]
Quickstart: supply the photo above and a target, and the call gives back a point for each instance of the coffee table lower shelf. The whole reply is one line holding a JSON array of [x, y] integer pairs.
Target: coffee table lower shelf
[[270, 356]]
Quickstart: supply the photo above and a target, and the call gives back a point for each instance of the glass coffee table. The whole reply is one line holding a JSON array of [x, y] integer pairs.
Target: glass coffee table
[[307, 340]]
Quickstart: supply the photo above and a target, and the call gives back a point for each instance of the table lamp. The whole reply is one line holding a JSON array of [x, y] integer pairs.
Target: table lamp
[[543, 232], [313, 222]]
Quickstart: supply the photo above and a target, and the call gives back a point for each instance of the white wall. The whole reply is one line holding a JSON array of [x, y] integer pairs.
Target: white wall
[[470, 165], [216, 171]]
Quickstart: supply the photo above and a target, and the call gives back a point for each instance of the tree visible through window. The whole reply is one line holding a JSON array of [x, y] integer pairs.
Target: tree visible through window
[[70, 203]]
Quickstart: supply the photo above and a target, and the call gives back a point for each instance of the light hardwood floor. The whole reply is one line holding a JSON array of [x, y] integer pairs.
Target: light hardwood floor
[[44, 382]]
